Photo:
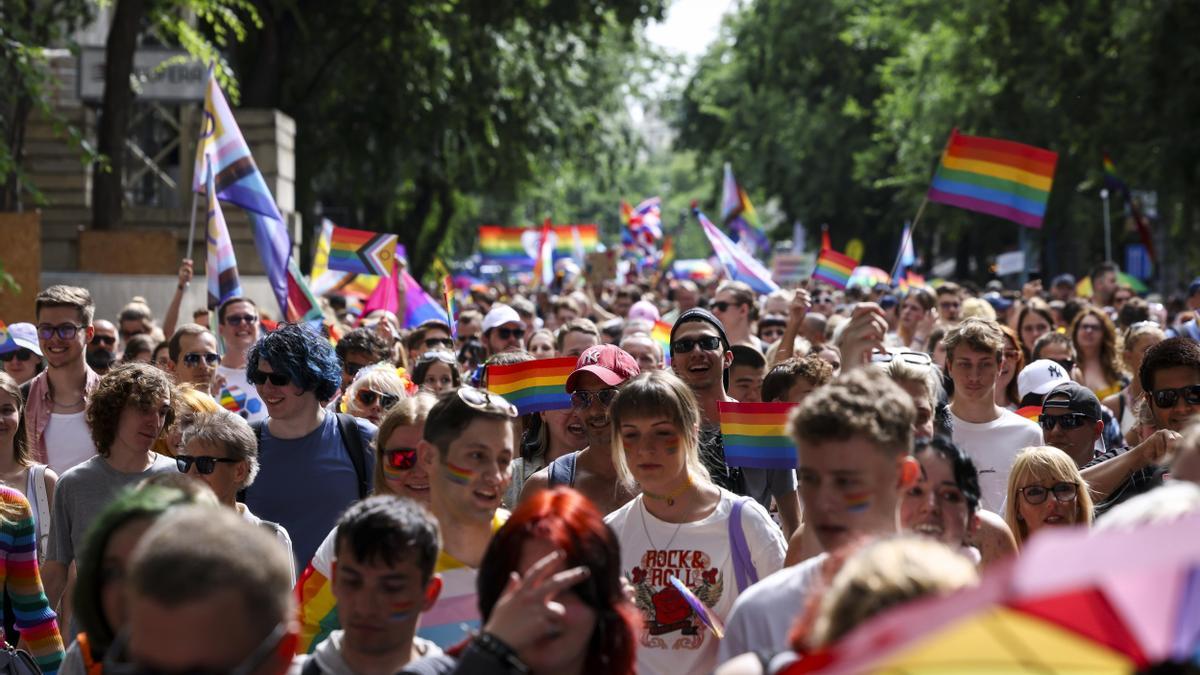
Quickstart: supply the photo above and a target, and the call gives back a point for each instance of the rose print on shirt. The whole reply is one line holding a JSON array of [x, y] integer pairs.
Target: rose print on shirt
[[669, 621]]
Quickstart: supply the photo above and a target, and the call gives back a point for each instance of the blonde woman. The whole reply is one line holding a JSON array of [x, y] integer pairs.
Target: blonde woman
[[681, 526], [1045, 489], [374, 391], [1140, 337]]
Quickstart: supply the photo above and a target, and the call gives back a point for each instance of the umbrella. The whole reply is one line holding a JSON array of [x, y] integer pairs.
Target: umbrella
[[1074, 602], [867, 276]]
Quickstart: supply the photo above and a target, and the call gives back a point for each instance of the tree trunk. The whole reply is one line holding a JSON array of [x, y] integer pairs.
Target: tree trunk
[[107, 192]]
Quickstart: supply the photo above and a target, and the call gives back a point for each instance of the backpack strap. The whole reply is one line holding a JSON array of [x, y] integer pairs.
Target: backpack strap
[[743, 562], [352, 439], [38, 472]]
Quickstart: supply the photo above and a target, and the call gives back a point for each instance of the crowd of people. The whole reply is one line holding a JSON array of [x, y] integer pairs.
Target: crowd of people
[[274, 498]]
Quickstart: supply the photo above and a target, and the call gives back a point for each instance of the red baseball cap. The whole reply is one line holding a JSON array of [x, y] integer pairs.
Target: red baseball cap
[[610, 363]]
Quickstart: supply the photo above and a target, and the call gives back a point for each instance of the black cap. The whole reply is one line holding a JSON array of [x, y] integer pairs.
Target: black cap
[[1074, 397], [701, 314]]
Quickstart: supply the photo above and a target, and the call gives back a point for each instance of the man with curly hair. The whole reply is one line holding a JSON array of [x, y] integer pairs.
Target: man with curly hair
[[310, 468], [358, 349], [129, 410]]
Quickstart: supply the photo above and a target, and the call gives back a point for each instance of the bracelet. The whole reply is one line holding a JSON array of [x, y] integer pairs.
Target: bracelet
[[499, 649]]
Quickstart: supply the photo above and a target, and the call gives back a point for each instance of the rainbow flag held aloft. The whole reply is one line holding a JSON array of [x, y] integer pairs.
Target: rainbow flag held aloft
[[418, 306], [1000, 178], [756, 435], [361, 251], [533, 386], [834, 268], [503, 245], [739, 264], [518, 246], [661, 333], [738, 215]]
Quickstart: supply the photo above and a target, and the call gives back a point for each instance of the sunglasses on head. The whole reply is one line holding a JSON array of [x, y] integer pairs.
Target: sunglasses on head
[[1068, 421], [1036, 494], [260, 378], [21, 354], [508, 333], [400, 459], [239, 319], [65, 331], [583, 399], [367, 398], [708, 343], [486, 402], [204, 463], [106, 340], [193, 359], [915, 358], [1167, 398]]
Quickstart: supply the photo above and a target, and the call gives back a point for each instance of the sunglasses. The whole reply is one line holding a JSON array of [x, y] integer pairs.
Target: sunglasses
[[1067, 364], [239, 319], [260, 378], [434, 343], [204, 464], [508, 333], [724, 305], [65, 331], [106, 340], [483, 401], [1167, 398], [193, 359], [915, 358], [367, 398], [708, 343], [445, 357], [401, 459], [583, 399], [1068, 421], [20, 355], [773, 332], [1036, 494]]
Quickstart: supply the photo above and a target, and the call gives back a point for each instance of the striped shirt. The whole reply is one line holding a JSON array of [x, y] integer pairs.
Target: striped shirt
[[23, 584]]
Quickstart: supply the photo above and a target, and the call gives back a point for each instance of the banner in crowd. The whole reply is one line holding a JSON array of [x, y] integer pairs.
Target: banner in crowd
[[792, 268], [517, 246], [1001, 178], [533, 386], [755, 435]]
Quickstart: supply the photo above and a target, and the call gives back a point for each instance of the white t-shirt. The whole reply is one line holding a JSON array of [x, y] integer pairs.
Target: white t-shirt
[[763, 616], [673, 639], [68, 441], [993, 446], [239, 396]]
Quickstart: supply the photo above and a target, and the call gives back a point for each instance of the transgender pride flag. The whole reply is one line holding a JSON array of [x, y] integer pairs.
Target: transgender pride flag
[[221, 266], [739, 264]]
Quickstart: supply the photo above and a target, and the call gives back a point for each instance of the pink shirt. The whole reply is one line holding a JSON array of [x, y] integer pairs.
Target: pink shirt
[[41, 404]]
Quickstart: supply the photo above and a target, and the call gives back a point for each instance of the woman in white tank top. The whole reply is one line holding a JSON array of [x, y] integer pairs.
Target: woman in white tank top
[[17, 468]]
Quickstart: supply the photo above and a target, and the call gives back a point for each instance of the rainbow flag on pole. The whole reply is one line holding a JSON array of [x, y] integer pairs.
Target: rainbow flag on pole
[[361, 251], [508, 246], [503, 245], [533, 386], [661, 333], [1000, 178], [756, 435], [834, 268]]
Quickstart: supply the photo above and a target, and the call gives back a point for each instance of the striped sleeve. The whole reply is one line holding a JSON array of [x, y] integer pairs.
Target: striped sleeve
[[23, 584]]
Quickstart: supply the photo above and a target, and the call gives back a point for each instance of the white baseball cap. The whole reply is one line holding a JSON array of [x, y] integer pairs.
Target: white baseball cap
[[499, 315], [1040, 377], [19, 335]]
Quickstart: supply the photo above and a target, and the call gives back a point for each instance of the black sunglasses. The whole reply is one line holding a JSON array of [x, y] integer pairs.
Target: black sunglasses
[[434, 343], [367, 398], [193, 359], [21, 354], [1036, 494], [260, 378], [400, 459], [583, 399], [239, 319], [1167, 398], [66, 331], [103, 340], [507, 333], [445, 357], [1068, 421], [709, 343], [204, 463], [723, 305], [1067, 364]]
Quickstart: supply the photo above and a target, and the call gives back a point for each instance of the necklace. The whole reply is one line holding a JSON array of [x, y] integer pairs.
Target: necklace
[[669, 498], [646, 529]]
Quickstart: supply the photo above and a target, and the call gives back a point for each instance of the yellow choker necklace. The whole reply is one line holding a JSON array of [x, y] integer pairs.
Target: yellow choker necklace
[[669, 498]]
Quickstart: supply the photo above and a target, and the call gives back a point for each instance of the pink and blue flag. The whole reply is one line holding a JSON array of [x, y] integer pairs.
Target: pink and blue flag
[[221, 265], [739, 264], [418, 305], [738, 214]]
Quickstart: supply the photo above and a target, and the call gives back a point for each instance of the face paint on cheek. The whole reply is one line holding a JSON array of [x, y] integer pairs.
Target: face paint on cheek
[[857, 502], [457, 474], [403, 611], [392, 473]]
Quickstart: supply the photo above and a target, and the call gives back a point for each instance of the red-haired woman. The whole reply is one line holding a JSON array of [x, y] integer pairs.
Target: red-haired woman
[[550, 595]]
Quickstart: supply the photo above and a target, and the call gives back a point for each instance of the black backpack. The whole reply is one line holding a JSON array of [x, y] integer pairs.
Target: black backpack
[[17, 662], [351, 439]]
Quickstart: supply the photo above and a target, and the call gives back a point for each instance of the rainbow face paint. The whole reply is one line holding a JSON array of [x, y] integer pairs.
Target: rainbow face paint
[[857, 502], [457, 474], [403, 611]]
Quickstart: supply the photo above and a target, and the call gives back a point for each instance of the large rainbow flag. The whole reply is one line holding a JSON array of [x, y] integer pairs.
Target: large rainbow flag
[[834, 268], [1001, 178], [533, 386], [755, 435], [506, 246], [361, 251]]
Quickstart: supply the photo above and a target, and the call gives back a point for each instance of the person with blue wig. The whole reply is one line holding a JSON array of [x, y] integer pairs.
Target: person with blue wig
[[311, 464]]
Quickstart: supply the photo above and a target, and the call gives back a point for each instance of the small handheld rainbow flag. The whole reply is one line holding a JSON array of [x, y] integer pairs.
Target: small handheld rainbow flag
[[662, 335], [1000, 178], [448, 296], [756, 435], [533, 386], [834, 268]]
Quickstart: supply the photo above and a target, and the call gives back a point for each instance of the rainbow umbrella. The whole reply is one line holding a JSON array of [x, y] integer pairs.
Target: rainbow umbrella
[[1084, 287], [867, 277], [1116, 601]]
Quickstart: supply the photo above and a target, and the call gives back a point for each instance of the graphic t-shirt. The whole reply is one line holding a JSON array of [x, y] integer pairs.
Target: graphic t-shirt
[[239, 396], [994, 446], [673, 638]]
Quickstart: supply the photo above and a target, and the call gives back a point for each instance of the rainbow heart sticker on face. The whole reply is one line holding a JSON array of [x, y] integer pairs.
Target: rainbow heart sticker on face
[[711, 620]]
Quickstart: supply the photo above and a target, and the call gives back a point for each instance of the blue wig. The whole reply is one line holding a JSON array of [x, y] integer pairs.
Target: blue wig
[[303, 355]]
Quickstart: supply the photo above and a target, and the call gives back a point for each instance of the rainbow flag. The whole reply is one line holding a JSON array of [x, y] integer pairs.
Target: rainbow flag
[[661, 333], [738, 262], [533, 386], [756, 435], [361, 251], [448, 296], [834, 268], [738, 215], [1001, 178], [507, 245], [503, 245], [1030, 412]]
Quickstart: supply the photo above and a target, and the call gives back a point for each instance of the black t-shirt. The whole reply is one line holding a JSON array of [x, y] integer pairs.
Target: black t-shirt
[[1139, 482], [712, 456]]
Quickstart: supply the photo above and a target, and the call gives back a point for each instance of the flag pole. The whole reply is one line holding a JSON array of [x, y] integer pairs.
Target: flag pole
[[192, 229], [912, 228], [1107, 226]]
